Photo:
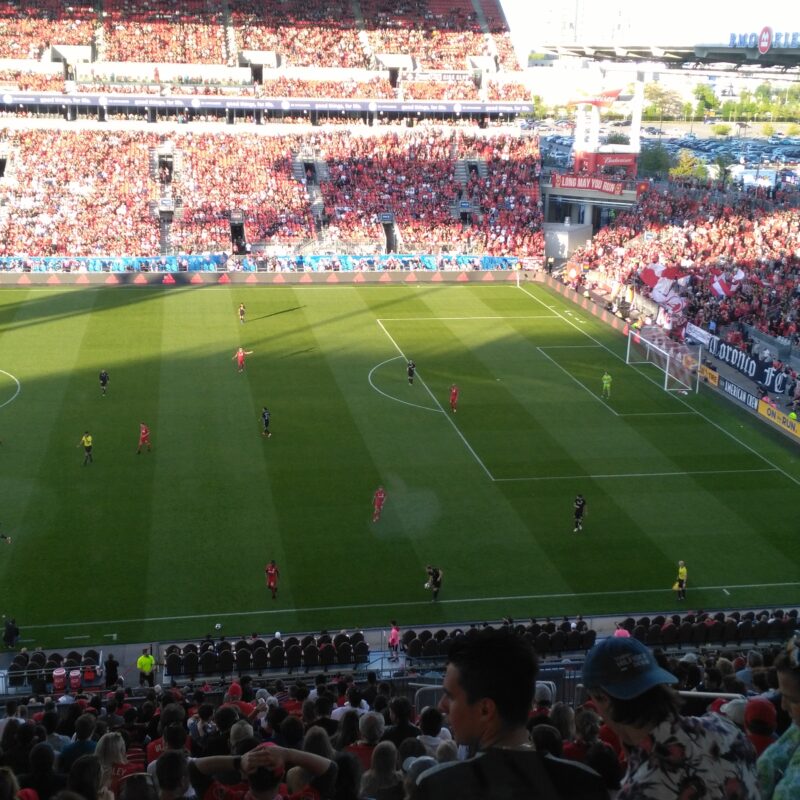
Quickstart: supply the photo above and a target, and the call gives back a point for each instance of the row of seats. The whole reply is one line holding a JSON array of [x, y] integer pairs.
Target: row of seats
[[40, 660], [191, 663], [435, 646]]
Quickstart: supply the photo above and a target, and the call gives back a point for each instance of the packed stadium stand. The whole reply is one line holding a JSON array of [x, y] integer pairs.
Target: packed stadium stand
[[735, 254], [291, 189]]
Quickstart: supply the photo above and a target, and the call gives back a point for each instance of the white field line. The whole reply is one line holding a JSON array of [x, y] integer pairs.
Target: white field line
[[679, 399], [582, 385], [211, 615], [392, 397], [657, 414], [611, 476], [439, 405], [447, 319], [19, 387]]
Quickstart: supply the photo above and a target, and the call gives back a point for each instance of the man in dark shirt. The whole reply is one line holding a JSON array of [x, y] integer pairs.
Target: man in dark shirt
[[103, 380], [488, 689], [265, 422], [580, 510], [411, 370], [401, 727]]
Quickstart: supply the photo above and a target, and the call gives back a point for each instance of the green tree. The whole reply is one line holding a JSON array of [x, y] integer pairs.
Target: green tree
[[705, 95], [721, 130], [722, 163], [617, 138], [688, 165], [662, 103], [654, 161], [793, 130], [768, 129]]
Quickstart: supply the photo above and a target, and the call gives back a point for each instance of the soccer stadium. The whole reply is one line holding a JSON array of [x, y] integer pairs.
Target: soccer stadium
[[374, 426]]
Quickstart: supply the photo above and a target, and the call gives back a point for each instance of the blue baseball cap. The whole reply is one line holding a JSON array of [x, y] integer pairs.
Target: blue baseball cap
[[623, 668]]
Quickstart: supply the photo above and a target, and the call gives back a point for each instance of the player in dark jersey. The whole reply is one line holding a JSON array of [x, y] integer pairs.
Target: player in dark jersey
[[580, 510], [434, 583], [411, 369], [265, 415], [103, 381], [242, 312]]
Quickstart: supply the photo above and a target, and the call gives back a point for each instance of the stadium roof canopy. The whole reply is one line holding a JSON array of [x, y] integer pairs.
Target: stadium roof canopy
[[765, 49]]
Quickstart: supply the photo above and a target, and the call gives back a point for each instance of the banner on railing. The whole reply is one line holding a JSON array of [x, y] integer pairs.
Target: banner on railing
[[215, 262], [587, 182], [780, 418], [736, 392]]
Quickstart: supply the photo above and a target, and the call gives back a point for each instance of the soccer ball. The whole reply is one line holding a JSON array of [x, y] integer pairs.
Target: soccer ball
[[218, 625], [427, 586]]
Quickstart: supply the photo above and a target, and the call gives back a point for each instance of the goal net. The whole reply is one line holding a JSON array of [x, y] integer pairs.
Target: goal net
[[677, 362]]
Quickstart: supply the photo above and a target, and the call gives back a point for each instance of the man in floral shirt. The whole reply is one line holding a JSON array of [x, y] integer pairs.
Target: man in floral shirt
[[669, 756]]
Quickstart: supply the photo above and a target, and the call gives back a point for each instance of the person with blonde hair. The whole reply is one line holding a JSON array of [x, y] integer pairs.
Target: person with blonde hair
[[111, 752]]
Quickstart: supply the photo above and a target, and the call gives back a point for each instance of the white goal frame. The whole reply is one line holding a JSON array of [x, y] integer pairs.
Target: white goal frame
[[679, 362]]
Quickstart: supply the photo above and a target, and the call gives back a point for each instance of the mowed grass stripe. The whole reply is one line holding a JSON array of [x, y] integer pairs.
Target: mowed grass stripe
[[203, 516]]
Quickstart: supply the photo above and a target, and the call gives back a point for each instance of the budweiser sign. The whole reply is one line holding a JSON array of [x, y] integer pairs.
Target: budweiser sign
[[590, 183]]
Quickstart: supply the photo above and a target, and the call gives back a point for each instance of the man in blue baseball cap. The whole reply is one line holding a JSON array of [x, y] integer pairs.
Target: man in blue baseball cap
[[668, 755]]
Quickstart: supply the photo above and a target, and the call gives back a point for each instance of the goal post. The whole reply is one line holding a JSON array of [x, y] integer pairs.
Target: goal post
[[678, 362]]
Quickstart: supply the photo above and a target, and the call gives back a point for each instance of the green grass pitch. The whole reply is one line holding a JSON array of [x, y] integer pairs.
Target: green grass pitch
[[163, 545]]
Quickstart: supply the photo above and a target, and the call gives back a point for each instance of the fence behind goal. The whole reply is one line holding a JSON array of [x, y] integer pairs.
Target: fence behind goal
[[678, 362]]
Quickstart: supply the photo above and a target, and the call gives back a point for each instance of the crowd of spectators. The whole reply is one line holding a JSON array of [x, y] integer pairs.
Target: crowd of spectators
[[413, 176], [25, 81], [374, 89], [28, 27], [185, 32], [508, 91], [364, 739], [441, 39], [69, 185], [736, 254], [439, 90], [305, 34], [438, 35]]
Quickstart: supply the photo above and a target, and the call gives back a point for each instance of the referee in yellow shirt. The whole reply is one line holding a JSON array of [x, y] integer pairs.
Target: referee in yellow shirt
[[681, 580], [146, 665], [86, 442]]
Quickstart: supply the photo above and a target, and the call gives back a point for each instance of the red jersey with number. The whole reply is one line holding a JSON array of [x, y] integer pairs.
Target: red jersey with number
[[380, 496], [454, 394], [144, 433], [272, 575]]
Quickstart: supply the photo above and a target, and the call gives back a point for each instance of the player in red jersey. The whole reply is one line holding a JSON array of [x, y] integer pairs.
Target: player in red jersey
[[453, 398], [377, 503], [239, 356], [273, 573], [144, 438]]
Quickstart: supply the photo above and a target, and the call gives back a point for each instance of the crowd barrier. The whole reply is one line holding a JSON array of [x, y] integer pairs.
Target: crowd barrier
[[215, 262]]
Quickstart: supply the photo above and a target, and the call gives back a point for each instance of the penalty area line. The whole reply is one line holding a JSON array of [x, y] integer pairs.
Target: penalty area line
[[408, 604], [679, 399]]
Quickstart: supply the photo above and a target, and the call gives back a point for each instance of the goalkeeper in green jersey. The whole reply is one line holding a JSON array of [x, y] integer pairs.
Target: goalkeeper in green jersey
[[606, 393]]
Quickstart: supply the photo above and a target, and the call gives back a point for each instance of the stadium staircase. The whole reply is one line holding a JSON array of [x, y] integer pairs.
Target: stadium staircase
[[230, 34], [100, 44], [321, 173], [363, 37], [461, 173]]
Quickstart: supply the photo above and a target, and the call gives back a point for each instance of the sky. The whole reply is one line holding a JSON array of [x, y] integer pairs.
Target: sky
[[678, 22]]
